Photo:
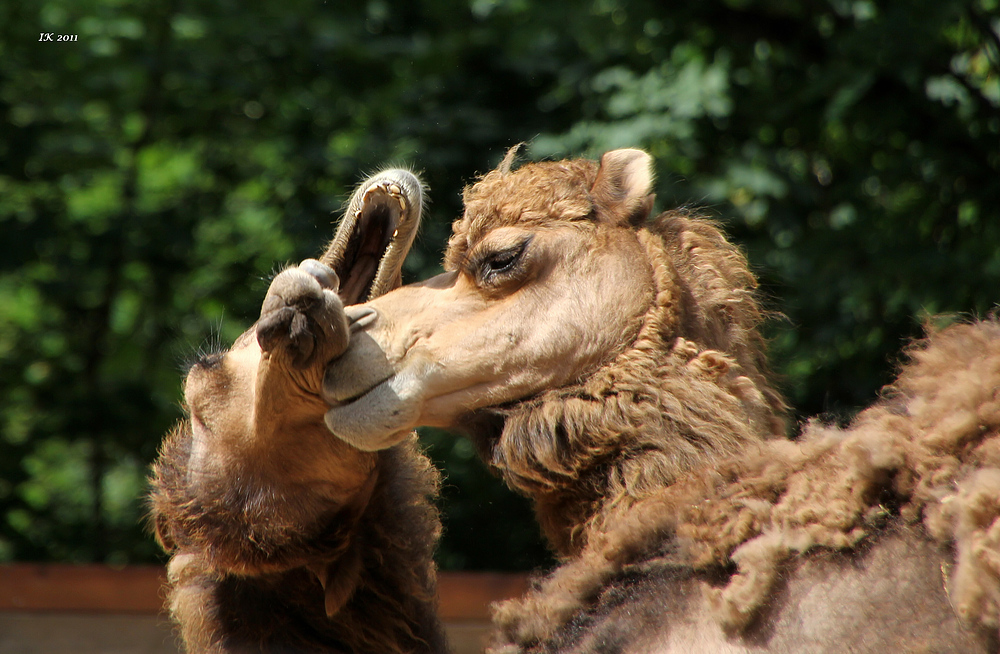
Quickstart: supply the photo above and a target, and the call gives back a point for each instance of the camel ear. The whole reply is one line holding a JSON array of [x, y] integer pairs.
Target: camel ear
[[623, 184]]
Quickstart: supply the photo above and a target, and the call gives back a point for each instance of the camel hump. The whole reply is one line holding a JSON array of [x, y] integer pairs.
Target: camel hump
[[623, 185]]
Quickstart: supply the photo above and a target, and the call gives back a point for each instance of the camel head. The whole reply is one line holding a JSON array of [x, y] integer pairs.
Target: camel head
[[532, 270], [255, 411], [579, 343]]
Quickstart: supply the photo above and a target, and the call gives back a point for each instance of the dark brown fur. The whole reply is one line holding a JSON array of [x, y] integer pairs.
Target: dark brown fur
[[926, 459], [380, 554], [690, 389], [684, 520]]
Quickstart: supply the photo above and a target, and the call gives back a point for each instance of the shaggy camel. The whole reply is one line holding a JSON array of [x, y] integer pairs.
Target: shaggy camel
[[283, 538], [609, 367]]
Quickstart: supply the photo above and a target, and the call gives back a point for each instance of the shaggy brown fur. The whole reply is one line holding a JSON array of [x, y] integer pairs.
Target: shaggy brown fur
[[664, 457], [662, 407], [928, 454], [692, 386], [657, 468], [639, 419], [244, 578]]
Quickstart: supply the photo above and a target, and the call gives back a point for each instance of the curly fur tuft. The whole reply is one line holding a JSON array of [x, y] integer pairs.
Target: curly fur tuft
[[928, 454]]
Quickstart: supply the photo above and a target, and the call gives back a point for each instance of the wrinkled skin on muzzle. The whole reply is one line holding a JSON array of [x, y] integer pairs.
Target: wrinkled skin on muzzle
[[544, 282], [257, 406]]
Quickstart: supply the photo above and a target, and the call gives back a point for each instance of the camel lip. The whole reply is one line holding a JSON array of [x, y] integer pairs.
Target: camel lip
[[379, 224], [360, 317], [401, 392], [376, 419], [354, 398]]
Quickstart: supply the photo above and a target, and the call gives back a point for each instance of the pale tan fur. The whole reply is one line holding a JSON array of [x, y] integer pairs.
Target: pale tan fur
[[648, 362], [609, 366]]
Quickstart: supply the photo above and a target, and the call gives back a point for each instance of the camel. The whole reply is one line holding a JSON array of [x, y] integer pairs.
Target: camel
[[609, 366], [283, 538]]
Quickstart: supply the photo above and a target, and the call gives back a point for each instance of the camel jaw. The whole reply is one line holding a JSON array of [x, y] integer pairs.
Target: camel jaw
[[376, 233]]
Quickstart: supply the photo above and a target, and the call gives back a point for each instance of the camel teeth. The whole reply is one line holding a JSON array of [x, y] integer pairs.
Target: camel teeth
[[402, 203], [395, 190], [395, 233]]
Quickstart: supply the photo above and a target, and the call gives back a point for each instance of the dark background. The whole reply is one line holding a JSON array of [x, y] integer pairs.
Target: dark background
[[157, 169]]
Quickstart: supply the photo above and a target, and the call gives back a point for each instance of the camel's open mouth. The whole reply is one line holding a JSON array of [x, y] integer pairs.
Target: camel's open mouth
[[375, 225], [376, 233]]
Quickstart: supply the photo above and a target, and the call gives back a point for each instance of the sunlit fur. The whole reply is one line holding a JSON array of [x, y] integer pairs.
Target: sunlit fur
[[925, 461], [684, 519], [244, 567], [661, 458], [689, 389], [659, 468]]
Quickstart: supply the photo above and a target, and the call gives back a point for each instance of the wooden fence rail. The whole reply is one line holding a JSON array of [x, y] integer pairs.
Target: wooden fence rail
[[139, 589]]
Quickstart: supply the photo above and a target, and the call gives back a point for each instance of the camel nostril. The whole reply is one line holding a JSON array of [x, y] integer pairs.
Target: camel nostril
[[360, 317]]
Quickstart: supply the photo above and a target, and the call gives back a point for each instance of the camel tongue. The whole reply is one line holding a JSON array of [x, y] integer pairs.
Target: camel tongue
[[360, 277]]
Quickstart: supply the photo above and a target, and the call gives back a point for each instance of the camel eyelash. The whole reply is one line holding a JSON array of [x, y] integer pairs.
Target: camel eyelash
[[488, 264]]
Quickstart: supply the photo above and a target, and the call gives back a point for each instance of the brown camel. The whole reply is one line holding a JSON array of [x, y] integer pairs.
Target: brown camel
[[283, 538], [609, 367]]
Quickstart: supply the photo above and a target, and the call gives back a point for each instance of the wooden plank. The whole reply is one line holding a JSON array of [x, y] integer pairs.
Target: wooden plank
[[47, 632], [139, 589], [84, 588], [468, 595]]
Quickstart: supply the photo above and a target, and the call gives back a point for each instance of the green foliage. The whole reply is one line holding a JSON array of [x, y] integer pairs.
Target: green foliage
[[155, 172], [486, 526], [852, 147]]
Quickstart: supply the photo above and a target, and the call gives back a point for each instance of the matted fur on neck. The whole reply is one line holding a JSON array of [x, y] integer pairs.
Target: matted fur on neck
[[925, 457], [691, 387]]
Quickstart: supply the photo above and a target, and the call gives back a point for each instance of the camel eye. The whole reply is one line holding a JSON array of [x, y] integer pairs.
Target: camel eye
[[500, 263]]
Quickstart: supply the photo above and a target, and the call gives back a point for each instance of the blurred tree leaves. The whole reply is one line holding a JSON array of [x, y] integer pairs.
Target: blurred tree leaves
[[852, 147], [156, 171]]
